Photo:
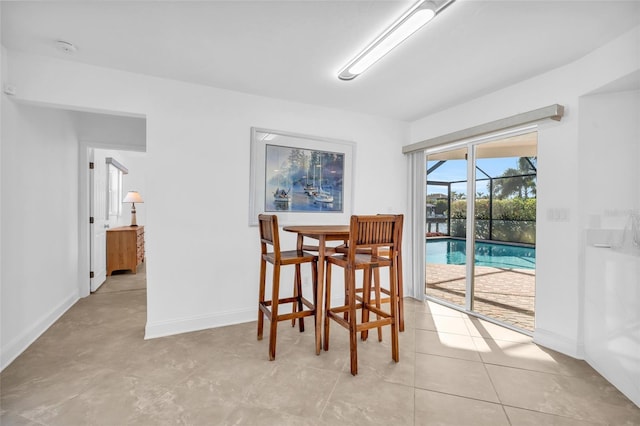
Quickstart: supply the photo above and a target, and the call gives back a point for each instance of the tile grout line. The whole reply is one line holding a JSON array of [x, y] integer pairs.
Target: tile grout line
[[484, 365], [326, 402], [450, 357], [551, 414], [461, 396]]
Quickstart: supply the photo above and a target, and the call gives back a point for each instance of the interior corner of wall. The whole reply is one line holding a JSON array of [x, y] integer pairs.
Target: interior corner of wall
[[9, 351], [558, 343], [155, 329]]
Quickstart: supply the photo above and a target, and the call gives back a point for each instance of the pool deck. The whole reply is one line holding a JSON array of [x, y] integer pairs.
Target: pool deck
[[504, 294]]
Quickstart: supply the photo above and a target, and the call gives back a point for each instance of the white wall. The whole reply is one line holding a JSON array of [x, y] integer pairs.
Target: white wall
[[111, 131], [202, 260], [559, 262], [202, 267], [608, 170], [39, 222], [3, 65], [40, 215]]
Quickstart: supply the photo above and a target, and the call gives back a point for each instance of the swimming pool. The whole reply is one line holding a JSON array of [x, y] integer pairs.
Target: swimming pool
[[453, 252]]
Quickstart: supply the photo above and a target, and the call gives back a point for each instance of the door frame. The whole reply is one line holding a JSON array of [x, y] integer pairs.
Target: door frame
[[84, 193], [470, 144]]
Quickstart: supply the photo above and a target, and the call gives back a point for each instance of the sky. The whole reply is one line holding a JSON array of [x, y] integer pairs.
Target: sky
[[456, 170]]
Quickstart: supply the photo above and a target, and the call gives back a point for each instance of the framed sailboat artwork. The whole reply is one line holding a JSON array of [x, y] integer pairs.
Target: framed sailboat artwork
[[303, 179]]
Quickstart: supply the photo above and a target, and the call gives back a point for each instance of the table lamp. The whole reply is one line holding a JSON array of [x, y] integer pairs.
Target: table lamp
[[133, 197]]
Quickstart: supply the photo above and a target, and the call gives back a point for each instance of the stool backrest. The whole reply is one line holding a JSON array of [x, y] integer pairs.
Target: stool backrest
[[373, 232], [268, 224], [400, 226]]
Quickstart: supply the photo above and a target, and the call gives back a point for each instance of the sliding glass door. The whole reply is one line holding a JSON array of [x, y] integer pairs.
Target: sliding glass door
[[481, 199], [446, 211]]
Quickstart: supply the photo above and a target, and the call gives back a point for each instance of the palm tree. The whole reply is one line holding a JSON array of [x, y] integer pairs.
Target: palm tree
[[528, 166], [455, 195], [506, 186], [518, 182]]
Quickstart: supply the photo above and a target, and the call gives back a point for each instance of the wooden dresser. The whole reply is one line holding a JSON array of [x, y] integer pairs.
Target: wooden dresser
[[125, 248]]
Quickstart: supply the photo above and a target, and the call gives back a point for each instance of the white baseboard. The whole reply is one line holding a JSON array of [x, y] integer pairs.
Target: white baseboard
[[624, 379], [558, 343], [202, 322], [13, 349]]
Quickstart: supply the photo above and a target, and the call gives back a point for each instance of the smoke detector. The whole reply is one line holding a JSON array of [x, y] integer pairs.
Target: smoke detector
[[66, 47]]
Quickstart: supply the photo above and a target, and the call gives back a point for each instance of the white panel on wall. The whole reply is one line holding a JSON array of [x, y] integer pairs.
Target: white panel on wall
[[609, 173]]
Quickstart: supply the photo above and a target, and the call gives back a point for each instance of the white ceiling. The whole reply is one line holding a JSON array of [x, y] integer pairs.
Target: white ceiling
[[293, 49]]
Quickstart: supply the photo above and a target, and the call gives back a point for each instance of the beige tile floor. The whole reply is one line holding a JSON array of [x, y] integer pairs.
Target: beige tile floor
[[93, 367]]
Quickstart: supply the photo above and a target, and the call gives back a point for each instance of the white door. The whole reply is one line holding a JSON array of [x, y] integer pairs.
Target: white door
[[98, 210]]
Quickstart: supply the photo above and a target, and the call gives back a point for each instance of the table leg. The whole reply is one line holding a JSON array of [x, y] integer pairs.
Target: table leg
[[319, 293], [295, 291]]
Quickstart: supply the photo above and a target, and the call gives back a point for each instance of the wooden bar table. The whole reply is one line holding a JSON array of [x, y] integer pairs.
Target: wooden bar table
[[321, 233]]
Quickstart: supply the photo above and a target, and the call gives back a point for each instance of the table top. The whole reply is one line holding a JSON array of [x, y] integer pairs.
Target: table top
[[125, 228], [321, 233], [340, 231]]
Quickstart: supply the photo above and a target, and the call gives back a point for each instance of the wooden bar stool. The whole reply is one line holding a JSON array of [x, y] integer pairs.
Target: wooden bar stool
[[367, 235], [377, 288], [269, 236]]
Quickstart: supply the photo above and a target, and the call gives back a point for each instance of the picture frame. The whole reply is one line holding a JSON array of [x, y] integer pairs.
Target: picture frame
[[303, 179]]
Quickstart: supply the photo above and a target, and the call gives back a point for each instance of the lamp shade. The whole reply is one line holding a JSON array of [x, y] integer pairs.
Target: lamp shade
[[133, 197]]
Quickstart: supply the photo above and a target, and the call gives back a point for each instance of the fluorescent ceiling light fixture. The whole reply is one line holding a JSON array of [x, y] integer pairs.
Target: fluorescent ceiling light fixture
[[410, 22]]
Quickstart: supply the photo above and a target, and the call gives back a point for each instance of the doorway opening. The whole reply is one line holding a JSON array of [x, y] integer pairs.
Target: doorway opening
[[481, 199], [112, 174]]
